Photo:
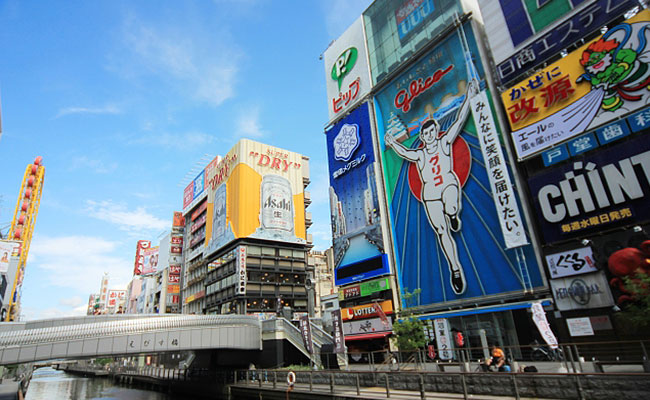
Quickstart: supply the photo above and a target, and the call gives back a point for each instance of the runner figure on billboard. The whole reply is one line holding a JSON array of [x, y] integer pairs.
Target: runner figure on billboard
[[441, 189]]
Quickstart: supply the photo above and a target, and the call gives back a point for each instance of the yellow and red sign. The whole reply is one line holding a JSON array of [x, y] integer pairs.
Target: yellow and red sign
[[367, 310], [256, 190], [603, 80]]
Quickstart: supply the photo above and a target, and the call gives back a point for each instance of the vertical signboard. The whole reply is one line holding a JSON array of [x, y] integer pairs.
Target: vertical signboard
[[447, 231], [241, 270], [140, 247], [7, 251], [443, 338], [150, 260], [602, 80], [354, 202], [255, 191], [305, 331], [347, 75], [337, 323]]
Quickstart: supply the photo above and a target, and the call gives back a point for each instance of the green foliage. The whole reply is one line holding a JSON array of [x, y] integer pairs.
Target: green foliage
[[636, 314], [409, 331], [103, 361], [410, 334]]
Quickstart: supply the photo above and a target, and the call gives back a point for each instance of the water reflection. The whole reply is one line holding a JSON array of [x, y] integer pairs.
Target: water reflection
[[50, 384]]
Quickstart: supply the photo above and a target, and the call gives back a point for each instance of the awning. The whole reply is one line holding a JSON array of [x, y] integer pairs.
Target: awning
[[368, 336], [483, 310]]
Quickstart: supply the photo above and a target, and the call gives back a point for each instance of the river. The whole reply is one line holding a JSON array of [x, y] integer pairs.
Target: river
[[50, 384]]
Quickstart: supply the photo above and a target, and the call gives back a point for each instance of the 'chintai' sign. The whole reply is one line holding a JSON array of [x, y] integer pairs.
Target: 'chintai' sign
[[603, 191]]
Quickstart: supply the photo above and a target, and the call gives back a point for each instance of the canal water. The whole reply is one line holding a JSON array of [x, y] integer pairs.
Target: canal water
[[50, 384]]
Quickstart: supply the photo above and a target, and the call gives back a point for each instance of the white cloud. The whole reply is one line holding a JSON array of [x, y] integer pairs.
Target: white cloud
[[137, 222], [202, 65], [248, 124], [183, 140], [92, 164], [79, 262], [107, 109]]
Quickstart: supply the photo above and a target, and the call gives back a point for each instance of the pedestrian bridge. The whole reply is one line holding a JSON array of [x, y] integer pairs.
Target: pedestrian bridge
[[115, 335]]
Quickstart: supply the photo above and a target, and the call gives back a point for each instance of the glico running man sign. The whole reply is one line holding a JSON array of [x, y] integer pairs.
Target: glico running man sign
[[447, 231]]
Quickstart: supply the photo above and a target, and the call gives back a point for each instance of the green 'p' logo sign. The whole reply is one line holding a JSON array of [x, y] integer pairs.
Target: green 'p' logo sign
[[344, 64]]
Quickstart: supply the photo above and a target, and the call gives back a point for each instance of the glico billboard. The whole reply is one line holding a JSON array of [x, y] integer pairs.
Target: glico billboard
[[602, 80], [354, 202], [456, 227], [256, 191]]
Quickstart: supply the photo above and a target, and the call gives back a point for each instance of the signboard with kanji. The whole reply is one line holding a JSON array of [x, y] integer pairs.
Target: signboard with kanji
[[603, 80]]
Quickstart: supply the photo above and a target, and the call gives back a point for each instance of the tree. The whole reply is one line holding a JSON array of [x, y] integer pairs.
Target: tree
[[636, 312], [409, 331]]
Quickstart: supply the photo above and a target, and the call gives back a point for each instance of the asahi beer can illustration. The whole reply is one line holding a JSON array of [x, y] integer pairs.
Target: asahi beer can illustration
[[219, 220], [276, 214]]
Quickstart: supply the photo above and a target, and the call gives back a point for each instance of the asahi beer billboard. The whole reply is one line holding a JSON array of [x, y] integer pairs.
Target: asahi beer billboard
[[603, 191], [602, 80], [255, 191], [440, 186], [523, 34], [347, 75], [354, 202]]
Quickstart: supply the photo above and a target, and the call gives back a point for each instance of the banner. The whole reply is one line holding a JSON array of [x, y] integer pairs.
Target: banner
[[539, 318], [337, 322], [446, 230], [512, 227], [140, 247], [354, 201], [602, 80], [305, 331]]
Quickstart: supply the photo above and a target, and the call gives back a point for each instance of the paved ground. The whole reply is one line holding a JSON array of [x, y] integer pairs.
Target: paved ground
[[368, 392]]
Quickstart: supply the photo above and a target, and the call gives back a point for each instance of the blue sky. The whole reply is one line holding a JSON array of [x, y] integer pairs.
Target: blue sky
[[122, 98]]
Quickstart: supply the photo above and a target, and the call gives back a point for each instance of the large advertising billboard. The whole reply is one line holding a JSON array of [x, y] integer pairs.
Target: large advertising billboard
[[448, 235], [256, 191], [602, 191], [347, 76], [602, 80], [522, 34], [354, 202]]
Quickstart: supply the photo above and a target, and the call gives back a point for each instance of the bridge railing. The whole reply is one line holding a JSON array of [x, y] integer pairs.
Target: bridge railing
[[93, 329]]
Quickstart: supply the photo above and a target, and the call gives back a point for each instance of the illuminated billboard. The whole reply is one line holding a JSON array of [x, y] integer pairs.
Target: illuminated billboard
[[354, 201], [601, 81], [452, 207], [256, 191], [347, 77]]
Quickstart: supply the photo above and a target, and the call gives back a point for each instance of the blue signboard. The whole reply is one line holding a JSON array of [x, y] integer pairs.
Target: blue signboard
[[446, 231], [354, 204], [582, 144], [362, 270], [555, 155], [640, 120], [199, 184], [612, 132], [581, 24], [602, 191]]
